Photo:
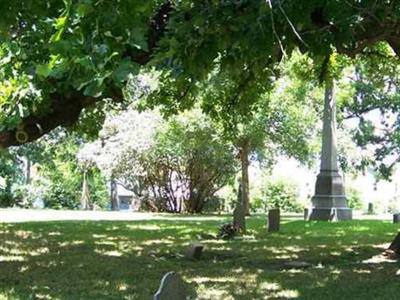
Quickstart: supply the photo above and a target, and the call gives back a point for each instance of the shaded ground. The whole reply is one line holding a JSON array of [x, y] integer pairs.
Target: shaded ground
[[126, 260]]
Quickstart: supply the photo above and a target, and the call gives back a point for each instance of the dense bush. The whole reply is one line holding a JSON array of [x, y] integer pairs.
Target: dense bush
[[258, 204], [61, 196], [214, 204], [61, 176], [10, 175], [6, 198], [354, 200], [174, 167], [279, 194], [394, 205]]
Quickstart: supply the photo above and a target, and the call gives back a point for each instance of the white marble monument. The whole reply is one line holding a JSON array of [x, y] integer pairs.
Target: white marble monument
[[329, 201]]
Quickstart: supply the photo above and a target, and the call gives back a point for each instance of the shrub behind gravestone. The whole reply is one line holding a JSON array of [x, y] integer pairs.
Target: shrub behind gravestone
[[6, 198], [354, 200], [283, 195], [213, 204], [393, 206]]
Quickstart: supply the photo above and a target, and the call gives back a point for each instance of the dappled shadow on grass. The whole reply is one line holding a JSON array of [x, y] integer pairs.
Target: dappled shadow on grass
[[126, 260]]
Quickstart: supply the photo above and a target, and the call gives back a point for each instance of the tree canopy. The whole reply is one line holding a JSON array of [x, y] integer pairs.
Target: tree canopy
[[62, 61]]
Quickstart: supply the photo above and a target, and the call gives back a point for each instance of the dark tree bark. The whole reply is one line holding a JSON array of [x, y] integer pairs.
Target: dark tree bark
[[64, 111], [244, 163], [239, 213], [370, 30]]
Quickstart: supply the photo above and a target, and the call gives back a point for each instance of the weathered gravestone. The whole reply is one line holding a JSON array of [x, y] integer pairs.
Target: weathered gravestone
[[370, 208], [395, 245], [396, 218], [274, 219], [172, 287], [194, 251], [297, 265]]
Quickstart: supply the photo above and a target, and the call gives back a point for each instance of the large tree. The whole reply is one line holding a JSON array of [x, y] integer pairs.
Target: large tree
[[281, 121]]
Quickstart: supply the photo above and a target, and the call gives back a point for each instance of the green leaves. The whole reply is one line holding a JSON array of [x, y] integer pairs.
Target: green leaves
[[125, 68], [56, 68], [84, 9], [137, 39], [43, 70], [60, 23], [94, 88]]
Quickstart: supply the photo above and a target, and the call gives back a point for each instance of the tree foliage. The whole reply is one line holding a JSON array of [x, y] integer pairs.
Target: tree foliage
[[175, 165], [11, 174], [60, 175], [191, 161], [62, 59], [283, 195]]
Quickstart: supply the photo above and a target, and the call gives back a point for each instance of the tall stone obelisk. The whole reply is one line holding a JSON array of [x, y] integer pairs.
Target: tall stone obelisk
[[329, 201]]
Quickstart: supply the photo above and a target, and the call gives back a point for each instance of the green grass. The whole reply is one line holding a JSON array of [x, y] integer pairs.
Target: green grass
[[126, 260]]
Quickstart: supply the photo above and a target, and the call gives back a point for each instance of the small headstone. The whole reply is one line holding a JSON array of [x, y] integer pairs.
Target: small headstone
[[194, 251], [395, 245], [172, 287], [396, 218], [370, 208], [297, 265], [274, 218]]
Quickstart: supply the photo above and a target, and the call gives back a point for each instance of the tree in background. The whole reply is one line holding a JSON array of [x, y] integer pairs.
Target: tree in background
[[373, 107], [282, 194], [175, 166], [193, 161], [282, 121], [11, 173], [59, 177], [118, 152]]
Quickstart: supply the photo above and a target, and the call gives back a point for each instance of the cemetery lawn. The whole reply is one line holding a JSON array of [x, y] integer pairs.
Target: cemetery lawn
[[126, 260]]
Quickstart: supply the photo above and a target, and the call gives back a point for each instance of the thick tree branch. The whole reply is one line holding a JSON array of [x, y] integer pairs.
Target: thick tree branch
[[368, 32], [65, 110]]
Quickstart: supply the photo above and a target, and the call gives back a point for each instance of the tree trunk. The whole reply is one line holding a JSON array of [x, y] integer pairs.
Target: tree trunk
[[244, 162], [239, 213], [28, 171], [114, 195], [85, 197]]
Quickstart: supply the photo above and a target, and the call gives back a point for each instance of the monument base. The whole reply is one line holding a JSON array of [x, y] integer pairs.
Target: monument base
[[329, 202], [330, 214]]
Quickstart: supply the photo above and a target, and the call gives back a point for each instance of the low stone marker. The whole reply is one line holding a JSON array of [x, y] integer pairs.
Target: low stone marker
[[396, 218], [370, 208], [274, 219], [172, 287], [297, 265], [395, 245], [194, 251]]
